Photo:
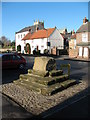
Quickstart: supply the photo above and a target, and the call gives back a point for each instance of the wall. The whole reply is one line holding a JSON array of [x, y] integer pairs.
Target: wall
[[56, 40], [88, 36], [41, 43], [79, 36], [72, 51], [19, 40], [79, 39]]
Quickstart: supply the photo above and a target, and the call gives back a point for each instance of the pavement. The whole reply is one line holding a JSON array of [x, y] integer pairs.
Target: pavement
[[77, 59]]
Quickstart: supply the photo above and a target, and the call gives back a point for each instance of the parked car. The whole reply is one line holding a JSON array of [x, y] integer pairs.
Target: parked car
[[12, 60]]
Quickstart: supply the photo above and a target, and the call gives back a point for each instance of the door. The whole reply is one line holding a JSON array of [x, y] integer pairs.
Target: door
[[37, 48], [80, 51], [85, 52]]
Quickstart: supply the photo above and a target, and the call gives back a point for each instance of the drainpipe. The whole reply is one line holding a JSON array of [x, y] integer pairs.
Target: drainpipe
[[47, 38]]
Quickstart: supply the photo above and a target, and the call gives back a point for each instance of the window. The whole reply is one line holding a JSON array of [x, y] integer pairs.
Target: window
[[84, 37], [21, 35], [37, 28], [6, 58], [16, 57], [29, 30], [48, 43], [18, 36]]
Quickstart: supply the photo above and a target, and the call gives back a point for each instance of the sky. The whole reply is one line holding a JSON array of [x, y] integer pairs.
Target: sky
[[17, 15]]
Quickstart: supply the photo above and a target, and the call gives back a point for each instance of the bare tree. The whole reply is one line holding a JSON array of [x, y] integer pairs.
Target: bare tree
[[5, 41]]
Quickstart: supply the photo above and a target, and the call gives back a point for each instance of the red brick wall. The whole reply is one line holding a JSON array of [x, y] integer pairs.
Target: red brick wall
[[79, 39], [72, 51], [89, 36], [54, 51]]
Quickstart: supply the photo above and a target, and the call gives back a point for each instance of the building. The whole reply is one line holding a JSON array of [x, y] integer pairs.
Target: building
[[66, 36], [20, 34], [82, 41], [46, 39], [72, 45]]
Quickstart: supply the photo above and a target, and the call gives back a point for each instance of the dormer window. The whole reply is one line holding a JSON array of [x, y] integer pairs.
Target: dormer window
[[29, 30], [37, 28]]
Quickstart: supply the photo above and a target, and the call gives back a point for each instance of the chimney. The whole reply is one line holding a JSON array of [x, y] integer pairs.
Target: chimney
[[65, 31], [85, 20], [73, 32]]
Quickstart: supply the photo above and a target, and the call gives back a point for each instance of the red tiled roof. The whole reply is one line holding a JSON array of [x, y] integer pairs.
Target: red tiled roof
[[27, 36], [39, 34]]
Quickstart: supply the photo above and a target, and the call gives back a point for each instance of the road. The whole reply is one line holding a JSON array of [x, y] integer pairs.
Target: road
[[79, 109], [12, 110], [79, 71]]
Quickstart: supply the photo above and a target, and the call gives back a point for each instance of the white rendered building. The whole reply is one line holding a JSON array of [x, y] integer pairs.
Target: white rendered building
[[39, 38]]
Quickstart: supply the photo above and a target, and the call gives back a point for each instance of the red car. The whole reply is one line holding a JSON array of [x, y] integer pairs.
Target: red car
[[12, 60]]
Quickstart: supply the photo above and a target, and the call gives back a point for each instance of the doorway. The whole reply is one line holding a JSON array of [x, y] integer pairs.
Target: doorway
[[85, 54], [80, 51]]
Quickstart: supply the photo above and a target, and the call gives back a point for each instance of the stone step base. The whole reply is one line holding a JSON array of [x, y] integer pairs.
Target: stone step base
[[44, 80], [38, 73], [46, 90], [55, 73], [46, 73]]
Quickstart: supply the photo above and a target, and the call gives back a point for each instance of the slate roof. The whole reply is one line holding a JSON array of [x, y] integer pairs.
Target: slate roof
[[39, 34], [66, 36], [33, 28], [84, 28]]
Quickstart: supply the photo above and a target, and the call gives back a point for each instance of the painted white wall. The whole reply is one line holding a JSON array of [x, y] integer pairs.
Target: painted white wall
[[41, 43], [19, 41]]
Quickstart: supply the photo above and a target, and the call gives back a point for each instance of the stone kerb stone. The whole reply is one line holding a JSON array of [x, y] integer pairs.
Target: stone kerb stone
[[44, 64]]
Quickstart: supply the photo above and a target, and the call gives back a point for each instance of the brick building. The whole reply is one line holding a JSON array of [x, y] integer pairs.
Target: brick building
[[72, 45], [82, 45]]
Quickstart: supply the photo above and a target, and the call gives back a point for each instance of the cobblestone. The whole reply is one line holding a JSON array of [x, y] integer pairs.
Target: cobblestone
[[37, 103]]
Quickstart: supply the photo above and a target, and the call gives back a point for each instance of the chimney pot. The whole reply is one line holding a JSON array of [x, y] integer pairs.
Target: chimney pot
[[85, 20]]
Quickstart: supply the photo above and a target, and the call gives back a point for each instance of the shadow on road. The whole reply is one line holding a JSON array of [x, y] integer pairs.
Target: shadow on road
[[12, 110], [10, 75], [72, 108]]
